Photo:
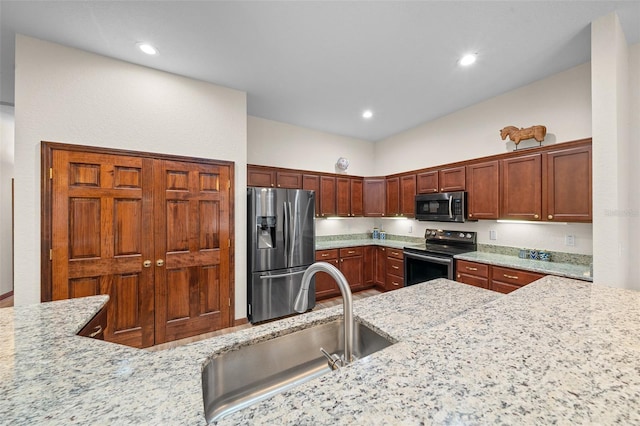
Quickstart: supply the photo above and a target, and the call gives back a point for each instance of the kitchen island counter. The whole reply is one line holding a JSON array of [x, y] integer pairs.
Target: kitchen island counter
[[558, 350]]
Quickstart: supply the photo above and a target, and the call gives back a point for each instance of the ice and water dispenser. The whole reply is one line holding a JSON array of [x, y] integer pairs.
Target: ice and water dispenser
[[266, 219]]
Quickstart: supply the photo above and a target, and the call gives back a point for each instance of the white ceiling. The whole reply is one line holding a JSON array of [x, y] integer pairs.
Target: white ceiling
[[319, 64]]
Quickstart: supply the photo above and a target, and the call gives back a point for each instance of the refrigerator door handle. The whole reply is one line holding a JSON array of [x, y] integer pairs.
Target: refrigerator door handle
[[289, 235], [268, 277]]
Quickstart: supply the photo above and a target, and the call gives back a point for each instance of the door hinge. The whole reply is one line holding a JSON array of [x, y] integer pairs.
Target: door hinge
[[229, 242], [50, 254], [50, 172], [229, 185], [229, 301]]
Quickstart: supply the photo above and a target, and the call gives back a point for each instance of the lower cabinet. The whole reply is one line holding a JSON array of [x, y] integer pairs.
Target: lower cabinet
[[350, 261], [95, 327], [496, 278], [395, 269]]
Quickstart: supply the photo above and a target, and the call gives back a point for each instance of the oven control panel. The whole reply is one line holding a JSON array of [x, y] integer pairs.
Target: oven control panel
[[442, 235]]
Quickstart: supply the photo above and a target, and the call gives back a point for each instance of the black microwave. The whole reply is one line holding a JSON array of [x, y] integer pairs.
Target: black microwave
[[442, 207]]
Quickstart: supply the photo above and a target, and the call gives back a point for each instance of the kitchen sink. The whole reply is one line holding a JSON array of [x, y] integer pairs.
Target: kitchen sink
[[237, 379]]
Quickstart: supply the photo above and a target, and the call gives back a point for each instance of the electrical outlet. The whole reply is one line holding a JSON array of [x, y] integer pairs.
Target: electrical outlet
[[410, 229], [493, 234], [570, 240]]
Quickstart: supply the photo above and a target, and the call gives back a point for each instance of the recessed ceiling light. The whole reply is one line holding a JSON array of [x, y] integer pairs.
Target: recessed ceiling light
[[468, 59], [367, 114], [147, 48]]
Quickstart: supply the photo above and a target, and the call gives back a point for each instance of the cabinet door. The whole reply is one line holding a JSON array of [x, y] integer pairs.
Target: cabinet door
[[312, 183], [343, 196], [408, 195], [476, 274], [427, 182], [369, 264], [567, 185], [352, 269], [374, 197], [327, 196], [325, 285], [380, 273], [357, 207], [452, 179], [521, 187], [392, 197], [288, 180], [483, 191], [261, 176]]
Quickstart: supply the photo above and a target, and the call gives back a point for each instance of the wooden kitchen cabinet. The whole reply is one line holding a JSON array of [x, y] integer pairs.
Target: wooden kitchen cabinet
[[325, 284], [291, 180], [427, 182], [506, 280], [369, 265], [311, 182], [408, 195], [496, 278], [327, 196], [476, 274], [374, 196], [95, 328], [392, 197], [521, 179], [349, 197], [567, 185], [452, 179], [352, 266], [483, 190], [380, 272], [395, 269], [261, 176]]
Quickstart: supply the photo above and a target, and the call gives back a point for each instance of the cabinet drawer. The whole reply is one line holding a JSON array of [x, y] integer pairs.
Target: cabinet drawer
[[326, 254], [474, 280], [397, 253], [503, 287], [393, 282], [95, 327], [351, 251], [395, 267], [515, 277], [472, 268]]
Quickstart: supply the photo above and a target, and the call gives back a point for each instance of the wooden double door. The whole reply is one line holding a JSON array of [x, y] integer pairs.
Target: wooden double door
[[154, 233]]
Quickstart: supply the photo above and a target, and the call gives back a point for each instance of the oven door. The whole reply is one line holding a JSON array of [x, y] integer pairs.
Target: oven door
[[421, 266]]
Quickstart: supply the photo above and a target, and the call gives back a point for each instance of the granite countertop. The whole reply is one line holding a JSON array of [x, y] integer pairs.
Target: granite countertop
[[464, 355], [569, 270]]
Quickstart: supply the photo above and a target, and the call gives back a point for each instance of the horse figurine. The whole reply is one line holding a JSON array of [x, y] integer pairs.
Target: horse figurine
[[516, 135]]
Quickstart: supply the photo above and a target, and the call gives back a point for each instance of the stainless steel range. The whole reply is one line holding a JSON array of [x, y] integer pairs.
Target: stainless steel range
[[435, 258]]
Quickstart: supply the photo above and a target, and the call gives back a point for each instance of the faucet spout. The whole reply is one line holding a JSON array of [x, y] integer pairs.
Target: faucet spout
[[347, 301]]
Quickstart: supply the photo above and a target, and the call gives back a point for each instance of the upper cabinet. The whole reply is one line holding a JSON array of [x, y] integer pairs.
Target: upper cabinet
[[452, 179], [273, 178], [408, 195], [374, 196], [311, 182], [551, 186], [483, 190], [349, 196], [392, 197], [427, 182], [567, 185], [327, 197]]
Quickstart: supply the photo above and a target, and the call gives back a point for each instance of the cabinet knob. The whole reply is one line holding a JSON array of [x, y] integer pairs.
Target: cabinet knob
[[458, 275], [441, 189], [470, 214], [272, 185], [278, 185], [535, 216], [550, 217]]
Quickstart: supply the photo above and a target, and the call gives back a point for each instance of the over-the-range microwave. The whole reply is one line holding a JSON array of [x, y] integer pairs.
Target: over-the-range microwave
[[442, 207]]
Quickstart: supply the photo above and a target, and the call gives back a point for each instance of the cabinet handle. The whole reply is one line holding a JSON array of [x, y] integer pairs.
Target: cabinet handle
[[97, 331], [395, 283], [382, 248], [535, 216], [395, 253], [351, 252], [395, 267], [550, 217], [325, 254], [471, 269], [513, 277]]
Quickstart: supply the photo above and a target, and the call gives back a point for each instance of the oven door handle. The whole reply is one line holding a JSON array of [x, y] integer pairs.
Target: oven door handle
[[440, 260]]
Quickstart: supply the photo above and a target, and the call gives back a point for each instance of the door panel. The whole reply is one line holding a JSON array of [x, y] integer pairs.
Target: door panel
[[101, 235], [192, 293]]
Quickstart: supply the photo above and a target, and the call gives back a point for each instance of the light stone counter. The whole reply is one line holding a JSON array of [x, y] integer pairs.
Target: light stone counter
[[568, 270], [556, 351]]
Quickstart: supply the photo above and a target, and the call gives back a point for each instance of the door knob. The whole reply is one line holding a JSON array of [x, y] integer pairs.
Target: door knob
[[159, 262], [146, 263]]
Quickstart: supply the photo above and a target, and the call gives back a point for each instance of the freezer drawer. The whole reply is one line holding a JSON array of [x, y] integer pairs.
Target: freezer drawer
[[273, 293]]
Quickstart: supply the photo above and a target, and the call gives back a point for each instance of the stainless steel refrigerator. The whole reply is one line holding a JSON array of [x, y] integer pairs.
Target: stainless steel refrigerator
[[280, 247]]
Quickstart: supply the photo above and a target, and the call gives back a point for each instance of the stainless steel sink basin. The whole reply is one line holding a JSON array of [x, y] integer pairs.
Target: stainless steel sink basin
[[237, 379]]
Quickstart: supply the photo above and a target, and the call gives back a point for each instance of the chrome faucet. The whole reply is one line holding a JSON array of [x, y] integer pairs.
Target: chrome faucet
[[302, 301]]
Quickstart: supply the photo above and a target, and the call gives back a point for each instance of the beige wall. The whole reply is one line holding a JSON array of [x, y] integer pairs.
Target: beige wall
[[67, 95]]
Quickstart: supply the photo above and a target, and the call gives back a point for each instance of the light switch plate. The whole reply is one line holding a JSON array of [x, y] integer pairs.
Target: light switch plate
[[570, 240], [493, 234]]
